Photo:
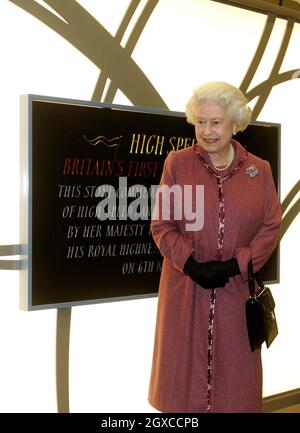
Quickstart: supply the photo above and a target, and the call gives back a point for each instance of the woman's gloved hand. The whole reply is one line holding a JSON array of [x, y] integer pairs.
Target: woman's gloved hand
[[212, 274], [228, 268]]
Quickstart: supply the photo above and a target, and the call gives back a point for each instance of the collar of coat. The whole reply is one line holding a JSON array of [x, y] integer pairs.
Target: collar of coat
[[239, 159]]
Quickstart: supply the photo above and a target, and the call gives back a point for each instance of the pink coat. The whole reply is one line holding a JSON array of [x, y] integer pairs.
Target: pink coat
[[202, 361]]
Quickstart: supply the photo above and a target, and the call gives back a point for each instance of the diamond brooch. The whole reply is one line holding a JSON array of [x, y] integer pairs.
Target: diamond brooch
[[252, 171]]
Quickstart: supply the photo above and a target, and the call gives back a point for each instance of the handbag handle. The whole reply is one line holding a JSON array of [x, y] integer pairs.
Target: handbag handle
[[251, 280], [259, 280]]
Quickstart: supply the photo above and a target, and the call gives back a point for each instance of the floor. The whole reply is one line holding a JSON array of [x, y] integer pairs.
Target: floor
[[289, 409]]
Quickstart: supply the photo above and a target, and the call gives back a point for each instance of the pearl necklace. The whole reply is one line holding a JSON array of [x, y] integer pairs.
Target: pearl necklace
[[230, 159]]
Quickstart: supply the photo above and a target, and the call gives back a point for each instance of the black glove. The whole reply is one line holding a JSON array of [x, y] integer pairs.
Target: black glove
[[204, 274], [227, 269], [211, 274]]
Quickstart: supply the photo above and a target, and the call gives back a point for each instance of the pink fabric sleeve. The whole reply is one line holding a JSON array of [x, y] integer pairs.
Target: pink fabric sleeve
[[264, 242], [173, 245]]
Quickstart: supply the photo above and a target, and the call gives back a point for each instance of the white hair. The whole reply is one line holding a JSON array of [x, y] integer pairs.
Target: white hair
[[230, 98]]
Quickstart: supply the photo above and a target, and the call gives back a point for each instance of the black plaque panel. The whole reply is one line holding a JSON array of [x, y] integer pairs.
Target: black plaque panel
[[74, 148]]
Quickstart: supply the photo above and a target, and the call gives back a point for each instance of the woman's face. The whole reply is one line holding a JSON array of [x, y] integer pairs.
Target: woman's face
[[213, 127]]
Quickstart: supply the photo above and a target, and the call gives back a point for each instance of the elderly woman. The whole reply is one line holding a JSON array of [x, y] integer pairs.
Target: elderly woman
[[202, 360]]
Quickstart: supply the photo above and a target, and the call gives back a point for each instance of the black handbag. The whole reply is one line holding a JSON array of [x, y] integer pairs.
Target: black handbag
[[260, 312]]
